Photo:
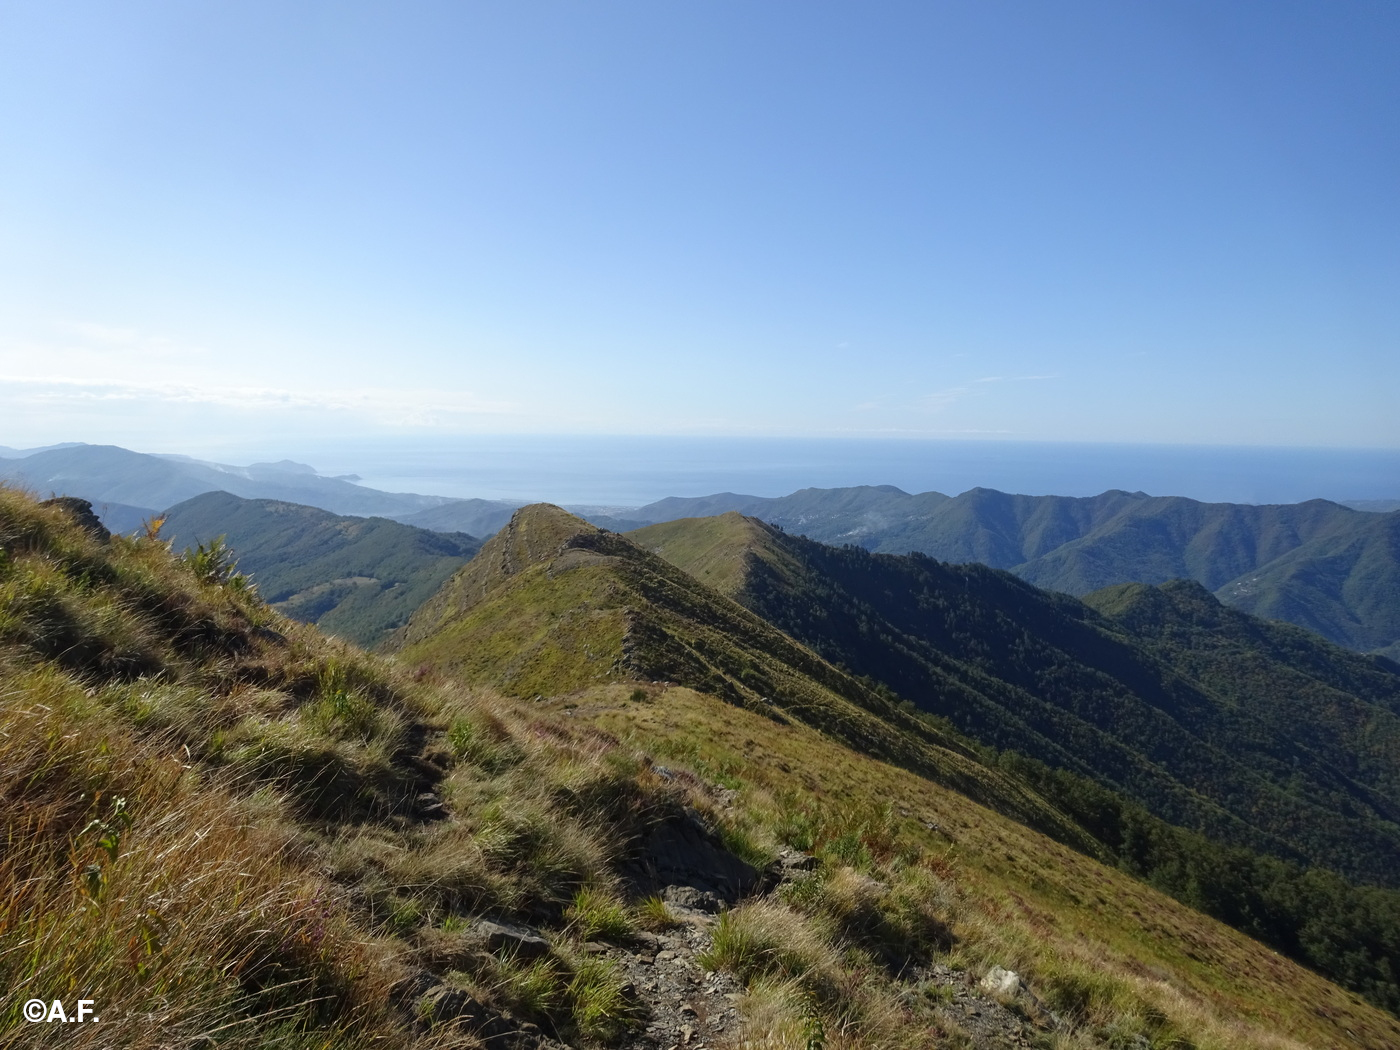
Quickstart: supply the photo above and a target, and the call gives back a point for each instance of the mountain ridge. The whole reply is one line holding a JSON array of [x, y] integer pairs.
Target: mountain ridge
[[638, 619], [1318, 564], [551, 584], [232, 826]]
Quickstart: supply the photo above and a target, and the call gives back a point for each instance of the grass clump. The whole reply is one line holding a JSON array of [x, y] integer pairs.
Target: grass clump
[[484, 743], [765, 938], [598, 914], [653, 914], [600, 1009], [580, 998]]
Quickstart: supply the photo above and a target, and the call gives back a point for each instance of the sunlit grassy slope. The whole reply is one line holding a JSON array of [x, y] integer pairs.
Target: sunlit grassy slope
[[545, 573], [229, 831], [226, 830]]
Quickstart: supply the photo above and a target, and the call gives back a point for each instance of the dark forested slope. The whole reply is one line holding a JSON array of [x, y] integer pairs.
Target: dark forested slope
[[1278, 741]]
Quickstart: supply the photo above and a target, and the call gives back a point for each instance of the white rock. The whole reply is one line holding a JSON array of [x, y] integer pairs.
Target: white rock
[[1001, 982]]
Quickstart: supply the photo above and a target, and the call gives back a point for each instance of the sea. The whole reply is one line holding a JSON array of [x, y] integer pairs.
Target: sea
[[629, 471]]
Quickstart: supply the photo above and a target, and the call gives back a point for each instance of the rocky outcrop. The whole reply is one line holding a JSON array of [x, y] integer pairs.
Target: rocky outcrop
[[80, 510]]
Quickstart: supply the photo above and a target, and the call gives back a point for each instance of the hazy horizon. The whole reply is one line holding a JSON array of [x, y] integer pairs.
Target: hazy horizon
[[631, 471]]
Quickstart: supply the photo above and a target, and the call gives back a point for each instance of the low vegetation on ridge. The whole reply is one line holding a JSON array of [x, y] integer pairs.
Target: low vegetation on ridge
[[230, 831]]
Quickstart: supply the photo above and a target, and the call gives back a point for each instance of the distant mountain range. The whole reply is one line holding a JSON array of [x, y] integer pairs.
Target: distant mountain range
[[1330, 568], [110, 476], [478, 517]]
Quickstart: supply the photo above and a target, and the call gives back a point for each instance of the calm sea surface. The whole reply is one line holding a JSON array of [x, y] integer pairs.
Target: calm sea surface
[[631, 471]]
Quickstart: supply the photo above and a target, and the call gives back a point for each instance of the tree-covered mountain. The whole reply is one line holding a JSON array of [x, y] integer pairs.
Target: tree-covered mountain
[[1317, 564], [1277, 741], [356, 578], [1344, 585]]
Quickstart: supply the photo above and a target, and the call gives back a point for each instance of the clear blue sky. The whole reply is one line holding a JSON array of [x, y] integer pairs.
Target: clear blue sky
[[1129, 222]]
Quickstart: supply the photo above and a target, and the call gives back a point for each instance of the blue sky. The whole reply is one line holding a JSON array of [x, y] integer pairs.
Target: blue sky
[[1172, 222]]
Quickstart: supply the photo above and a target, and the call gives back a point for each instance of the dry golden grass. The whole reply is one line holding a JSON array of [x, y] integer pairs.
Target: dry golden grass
[[130, 879], [209, 813]]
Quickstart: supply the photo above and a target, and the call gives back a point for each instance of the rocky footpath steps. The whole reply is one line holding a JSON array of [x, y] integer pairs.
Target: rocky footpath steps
[[678, 1003], [691, 1008]]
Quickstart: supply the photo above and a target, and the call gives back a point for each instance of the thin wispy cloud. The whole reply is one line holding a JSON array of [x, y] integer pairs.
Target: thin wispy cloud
[[941, 399], [404, 407], [119, 338]]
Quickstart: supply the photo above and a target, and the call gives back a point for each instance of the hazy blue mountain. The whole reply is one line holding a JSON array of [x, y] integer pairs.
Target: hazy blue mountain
[[124, 518], [357, 578], [486, 517], [19, 453], [479, 517], [109, 474]]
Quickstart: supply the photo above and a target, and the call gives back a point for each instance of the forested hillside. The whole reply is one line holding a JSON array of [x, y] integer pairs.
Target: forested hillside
[[1317, 564], [1239, 747], [356, 578]]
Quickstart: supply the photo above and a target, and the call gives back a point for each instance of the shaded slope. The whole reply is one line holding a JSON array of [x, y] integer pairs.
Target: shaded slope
[[553, 604], [356, 578], [1318, 719], [1043, 675]]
